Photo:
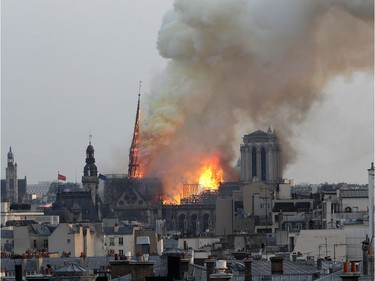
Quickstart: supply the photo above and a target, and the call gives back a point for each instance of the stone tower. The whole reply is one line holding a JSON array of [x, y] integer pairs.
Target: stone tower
[[90, 179], [260, 157], [11, 179]]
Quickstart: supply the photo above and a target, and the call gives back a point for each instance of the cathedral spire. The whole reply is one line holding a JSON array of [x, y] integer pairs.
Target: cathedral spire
[[133, 170], [10, 157]]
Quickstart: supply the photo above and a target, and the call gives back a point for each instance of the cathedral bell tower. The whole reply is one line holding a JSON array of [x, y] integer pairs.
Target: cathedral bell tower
[[90, 179], [11, 179], [261, 157]]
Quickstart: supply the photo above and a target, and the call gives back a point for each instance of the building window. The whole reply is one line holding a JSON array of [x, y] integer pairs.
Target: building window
[[254, 162], [121, 241], [121, 252], [67, 240], [35, 246], [111, 241], [263, 164], [45, 243]]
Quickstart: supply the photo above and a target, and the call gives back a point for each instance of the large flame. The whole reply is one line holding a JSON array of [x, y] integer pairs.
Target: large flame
[[211, 176]]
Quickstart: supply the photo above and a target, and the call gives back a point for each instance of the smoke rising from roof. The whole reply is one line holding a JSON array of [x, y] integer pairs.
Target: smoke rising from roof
[[255, 63]]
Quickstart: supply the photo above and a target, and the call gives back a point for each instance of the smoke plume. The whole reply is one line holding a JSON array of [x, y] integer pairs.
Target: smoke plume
[[255, 63]]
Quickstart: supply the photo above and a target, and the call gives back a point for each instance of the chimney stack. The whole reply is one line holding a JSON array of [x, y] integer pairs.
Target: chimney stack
[[247, 261], [277, 265], [365, 247], [221, 275], [210, 263]]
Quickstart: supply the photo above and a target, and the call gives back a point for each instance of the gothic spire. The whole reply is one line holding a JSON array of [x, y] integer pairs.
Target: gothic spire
[[133, 170]]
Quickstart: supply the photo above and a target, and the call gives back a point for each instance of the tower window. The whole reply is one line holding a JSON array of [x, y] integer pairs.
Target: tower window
[[254, 162], [263, 164]]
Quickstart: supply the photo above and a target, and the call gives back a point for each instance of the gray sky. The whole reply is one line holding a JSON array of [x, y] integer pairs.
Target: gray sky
[[71, 67]]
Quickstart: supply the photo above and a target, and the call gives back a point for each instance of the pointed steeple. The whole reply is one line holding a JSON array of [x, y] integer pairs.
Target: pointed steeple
[[269, 131], [90, 168], [10, 157], [133, 169]]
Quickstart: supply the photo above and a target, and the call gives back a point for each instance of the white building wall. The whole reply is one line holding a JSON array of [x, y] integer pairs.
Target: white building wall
[[127, 246], [10, 216], [224, 216], [284, 191], [311, 242], [64, 239], [355, 234], [21, 239], [99, 241], [357, 204]]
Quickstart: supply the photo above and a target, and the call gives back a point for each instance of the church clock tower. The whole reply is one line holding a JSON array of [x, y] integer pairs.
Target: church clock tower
[[90, 179], [11, 178]]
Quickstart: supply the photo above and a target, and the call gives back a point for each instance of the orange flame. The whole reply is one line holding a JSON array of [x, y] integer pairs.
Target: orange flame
[[211, 176]]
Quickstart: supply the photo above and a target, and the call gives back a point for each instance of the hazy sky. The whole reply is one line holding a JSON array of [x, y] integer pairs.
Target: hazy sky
[[73, 67]]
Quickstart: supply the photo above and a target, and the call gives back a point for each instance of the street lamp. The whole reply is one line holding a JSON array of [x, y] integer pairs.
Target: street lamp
[[18, 267]]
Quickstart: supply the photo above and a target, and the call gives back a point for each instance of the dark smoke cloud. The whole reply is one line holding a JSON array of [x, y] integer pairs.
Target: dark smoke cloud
[[252, 63]]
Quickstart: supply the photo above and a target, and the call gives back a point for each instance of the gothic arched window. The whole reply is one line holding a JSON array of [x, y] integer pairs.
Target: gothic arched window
[[254, 162], [263, 164]]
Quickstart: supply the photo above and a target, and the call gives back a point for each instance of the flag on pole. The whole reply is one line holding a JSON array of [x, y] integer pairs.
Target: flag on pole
[[61, 177], [102, 177]]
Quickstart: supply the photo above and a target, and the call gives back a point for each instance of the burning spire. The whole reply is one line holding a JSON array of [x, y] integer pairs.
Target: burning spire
[[133, 170]]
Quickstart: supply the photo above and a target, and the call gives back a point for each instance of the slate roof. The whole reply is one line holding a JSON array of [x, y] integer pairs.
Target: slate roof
[[40, 229], [259, 136], [89, 263], [354, 193], [257, 133], [123, 229], [72, 267]]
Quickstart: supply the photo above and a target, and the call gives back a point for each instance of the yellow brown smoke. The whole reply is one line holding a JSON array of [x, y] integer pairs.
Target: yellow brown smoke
[[232, 63]]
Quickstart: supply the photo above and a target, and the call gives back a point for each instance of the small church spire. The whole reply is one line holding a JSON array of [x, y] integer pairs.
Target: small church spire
[[269, 131]]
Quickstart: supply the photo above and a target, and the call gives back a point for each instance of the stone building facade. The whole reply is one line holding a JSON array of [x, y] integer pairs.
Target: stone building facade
[[260, 157]]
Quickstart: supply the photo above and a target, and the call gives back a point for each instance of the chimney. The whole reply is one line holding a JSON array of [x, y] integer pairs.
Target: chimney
[[350, 276], [221, 275], [247, 261], [174, 267], [277, 265], [139, 270], [185, 261], [365, 247], [210, 263]]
